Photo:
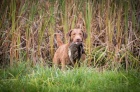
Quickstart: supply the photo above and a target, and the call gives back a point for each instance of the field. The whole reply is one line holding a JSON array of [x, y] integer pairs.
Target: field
[[27, 45], [22, 78]]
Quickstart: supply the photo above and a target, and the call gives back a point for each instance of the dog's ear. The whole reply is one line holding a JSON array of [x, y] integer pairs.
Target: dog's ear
[[68, 34], [84, 34]]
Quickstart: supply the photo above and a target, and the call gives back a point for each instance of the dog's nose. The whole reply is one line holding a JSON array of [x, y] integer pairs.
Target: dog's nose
[[78, 40]]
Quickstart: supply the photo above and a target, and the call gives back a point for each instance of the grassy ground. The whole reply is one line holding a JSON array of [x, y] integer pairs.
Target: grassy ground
[[22, 78]]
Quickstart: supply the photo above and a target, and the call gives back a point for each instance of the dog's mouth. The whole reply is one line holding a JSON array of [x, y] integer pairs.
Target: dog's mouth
[[78, 42]]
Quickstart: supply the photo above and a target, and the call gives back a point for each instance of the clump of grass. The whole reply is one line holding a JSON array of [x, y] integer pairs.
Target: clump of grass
[[21, 77]]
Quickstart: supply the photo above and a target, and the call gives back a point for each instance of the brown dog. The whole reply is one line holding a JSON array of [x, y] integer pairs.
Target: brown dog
[[61, 55]]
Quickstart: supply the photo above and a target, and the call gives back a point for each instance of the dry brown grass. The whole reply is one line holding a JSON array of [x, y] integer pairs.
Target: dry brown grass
[[27, 29]]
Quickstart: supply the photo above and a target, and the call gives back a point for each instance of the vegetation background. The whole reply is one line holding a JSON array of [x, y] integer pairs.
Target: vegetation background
[[27, 29]]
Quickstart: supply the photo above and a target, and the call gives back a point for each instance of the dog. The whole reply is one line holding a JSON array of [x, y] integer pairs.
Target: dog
[[61, 55]]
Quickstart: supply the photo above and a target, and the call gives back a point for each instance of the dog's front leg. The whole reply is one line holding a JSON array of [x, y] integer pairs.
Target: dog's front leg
[[63, 65], [55, 62]]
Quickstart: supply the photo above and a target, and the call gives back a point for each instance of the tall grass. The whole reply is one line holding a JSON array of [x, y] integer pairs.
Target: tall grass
[[88, 20], [27, 29]]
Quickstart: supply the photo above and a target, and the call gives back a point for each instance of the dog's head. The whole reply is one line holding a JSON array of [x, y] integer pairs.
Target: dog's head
[[76, 35]]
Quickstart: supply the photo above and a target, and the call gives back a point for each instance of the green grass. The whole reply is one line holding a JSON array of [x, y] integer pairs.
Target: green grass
[[23, 78]]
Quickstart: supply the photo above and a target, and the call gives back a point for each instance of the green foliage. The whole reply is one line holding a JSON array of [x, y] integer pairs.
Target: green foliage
[[22, 77]]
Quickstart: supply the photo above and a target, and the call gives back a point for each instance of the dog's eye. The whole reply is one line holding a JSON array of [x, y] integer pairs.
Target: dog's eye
[[80, 33], [74, 34]]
